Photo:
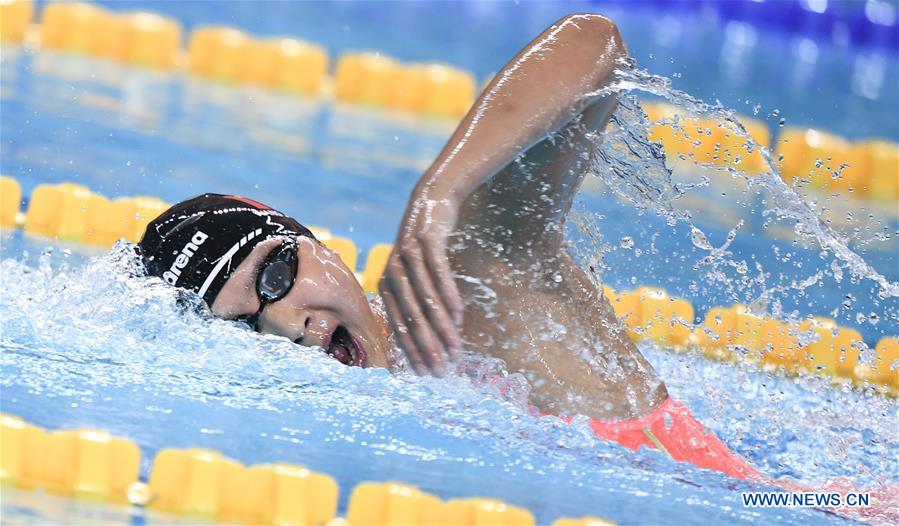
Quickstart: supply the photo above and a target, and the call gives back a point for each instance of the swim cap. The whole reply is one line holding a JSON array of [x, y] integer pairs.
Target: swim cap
[[197, 244]]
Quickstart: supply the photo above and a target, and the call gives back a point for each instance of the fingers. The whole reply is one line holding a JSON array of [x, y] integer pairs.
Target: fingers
[[402, 332], [430, 301], [441, 273], [426, 340], [425, 348]]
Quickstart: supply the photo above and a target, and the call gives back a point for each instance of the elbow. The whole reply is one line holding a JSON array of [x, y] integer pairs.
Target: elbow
[[594, 43], [593, 32], [589, 22]]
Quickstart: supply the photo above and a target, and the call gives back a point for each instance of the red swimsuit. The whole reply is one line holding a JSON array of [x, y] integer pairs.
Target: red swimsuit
[[680, 435]]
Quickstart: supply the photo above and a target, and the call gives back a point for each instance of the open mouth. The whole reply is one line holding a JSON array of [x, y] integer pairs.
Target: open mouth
[[346, 349]]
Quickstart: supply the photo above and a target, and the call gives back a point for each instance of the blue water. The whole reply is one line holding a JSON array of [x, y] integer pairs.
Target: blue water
[[83, 345]]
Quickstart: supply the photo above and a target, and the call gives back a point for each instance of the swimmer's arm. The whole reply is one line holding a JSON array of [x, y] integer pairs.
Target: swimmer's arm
[[540, 90], [537, 92]]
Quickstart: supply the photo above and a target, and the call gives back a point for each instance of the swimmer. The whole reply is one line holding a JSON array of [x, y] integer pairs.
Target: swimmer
[[479, 264]]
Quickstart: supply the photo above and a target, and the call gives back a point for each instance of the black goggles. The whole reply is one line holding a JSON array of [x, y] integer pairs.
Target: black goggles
[[275, 278]]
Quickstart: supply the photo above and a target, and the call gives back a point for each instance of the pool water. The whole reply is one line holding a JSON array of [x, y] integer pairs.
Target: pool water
[[86, 345]]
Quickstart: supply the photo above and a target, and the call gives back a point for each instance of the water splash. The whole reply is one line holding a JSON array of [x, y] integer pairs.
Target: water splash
[[635, 168]]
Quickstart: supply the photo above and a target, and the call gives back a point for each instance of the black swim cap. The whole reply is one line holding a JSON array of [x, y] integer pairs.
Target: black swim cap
[[197, 244]]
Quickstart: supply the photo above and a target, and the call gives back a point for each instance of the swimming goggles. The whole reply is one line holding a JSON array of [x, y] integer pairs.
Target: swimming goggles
[[274, 279]]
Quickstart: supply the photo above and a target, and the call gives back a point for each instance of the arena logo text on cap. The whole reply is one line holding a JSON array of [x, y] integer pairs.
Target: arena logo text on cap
[[174, 272]]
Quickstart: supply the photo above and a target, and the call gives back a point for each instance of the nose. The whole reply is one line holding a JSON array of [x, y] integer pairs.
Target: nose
[[315, 328]]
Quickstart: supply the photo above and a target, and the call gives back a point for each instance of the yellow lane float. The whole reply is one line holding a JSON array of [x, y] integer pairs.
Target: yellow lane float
[[227, 54], [583, 521], [15, 17], [835, 352], [79, 463], [485, 512], [377, 80], [810, 157], [203, 484], [882, 165], [375, 264], [138, 39], [10, 201], [706, 141], [291, 65], [395, 503], [826, 162], [392, 503], [345, 248], [72, 213], [219, 53], [650, 313], [885, 368]]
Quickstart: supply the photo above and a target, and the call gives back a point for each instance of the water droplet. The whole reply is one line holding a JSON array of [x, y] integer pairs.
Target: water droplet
[[699, 239], [782, 122], [837, 271], [847, 301], [626, 242], [807, 337]]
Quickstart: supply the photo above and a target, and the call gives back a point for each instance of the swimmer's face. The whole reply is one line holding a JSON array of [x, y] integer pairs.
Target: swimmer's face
[[325, 308]]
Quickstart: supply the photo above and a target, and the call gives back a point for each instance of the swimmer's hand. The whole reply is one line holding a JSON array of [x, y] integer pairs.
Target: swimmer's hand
[[423, 303]]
